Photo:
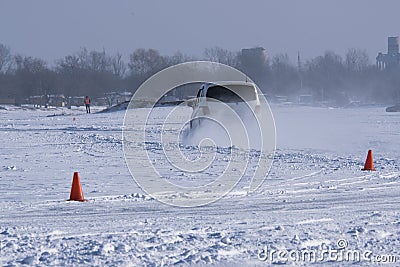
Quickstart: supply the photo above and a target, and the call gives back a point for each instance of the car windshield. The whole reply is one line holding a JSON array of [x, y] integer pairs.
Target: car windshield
[[226, 95]]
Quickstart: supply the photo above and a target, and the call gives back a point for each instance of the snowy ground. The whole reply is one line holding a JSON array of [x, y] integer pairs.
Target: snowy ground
[[315, 195]]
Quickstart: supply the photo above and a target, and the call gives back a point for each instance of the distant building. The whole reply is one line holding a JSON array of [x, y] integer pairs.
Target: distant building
[[75, 101], [7, 101], [114, 98], [253, 62], [253, 57], [46, 100], [392, 58]]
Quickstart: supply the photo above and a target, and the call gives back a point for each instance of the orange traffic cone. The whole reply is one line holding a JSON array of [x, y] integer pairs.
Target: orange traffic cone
[[369, 163], [76, 189]]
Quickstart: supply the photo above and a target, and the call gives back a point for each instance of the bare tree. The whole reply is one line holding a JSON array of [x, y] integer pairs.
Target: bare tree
[[99, 62], [94, 61], [146, 62], [284, 76], [177, 58], [5, 58], [29, 64], [69, 62], [32, 76], [220, 55], [357, 60], [118, 65]]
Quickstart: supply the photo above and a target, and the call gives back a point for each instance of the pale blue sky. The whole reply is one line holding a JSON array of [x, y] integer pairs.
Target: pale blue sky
[[51, 29]]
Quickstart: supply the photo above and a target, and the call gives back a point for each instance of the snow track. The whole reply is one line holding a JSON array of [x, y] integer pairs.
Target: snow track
[[312, 198]]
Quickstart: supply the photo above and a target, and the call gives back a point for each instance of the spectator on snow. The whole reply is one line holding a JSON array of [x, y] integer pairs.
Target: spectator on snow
[[87, 104]]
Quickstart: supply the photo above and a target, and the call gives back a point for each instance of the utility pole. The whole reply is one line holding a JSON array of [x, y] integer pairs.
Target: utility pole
[[299, 70]]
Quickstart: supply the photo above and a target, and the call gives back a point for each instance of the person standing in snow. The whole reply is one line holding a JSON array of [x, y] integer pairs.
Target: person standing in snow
[[87, 104]]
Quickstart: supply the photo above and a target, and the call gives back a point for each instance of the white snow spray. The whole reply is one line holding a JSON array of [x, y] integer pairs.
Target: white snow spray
[[163, 156], [215, 129]]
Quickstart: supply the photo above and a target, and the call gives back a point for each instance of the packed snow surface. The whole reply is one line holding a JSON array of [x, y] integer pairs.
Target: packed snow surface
[[314, 196]]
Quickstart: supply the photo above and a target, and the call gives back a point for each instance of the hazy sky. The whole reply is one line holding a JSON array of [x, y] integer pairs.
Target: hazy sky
[[51, 29]]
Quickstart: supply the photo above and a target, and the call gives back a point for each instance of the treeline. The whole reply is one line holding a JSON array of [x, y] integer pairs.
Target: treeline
[[329, 77], [334, 79]]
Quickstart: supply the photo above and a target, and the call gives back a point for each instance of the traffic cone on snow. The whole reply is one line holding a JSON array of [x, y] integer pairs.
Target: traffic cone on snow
[[76, 189], [369, 163]]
